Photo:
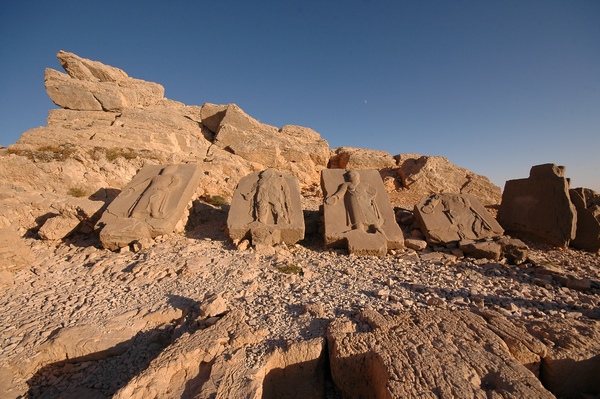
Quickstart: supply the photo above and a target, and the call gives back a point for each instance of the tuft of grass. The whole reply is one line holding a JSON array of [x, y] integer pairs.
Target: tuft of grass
[[216, 200], [116, 152], [77, 192], [290, 269], [46, 153]]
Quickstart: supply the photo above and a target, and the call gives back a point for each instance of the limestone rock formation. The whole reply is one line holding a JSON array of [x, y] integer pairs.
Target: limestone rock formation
[[92, 86], [431, 352], [111, 125], [266, 209], [152, 204], [539, 207], [433, 174], [358, 214], [587, 204], [13, 255], [571, 367], [360, 158], [448, 217]]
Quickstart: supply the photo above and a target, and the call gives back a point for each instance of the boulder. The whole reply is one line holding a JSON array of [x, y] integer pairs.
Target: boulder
[[266, 209], [152, 204], [445, 218], [587, 204], [433, 353], [424, 175], [539, 207], [360, 158], [92, 86], [358, 214]]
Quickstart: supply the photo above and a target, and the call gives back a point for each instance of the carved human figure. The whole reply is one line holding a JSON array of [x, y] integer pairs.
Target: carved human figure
[[362, 212], [461, 214], [271, 198], [155, 199]]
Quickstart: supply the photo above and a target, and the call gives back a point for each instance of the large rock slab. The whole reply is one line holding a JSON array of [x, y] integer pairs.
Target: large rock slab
[[360, 158], [448, 217], [92, 86], [539, 207], [430, 353], [266, 209], [152, 204], [587, 204], [358, 214], [571, 366]]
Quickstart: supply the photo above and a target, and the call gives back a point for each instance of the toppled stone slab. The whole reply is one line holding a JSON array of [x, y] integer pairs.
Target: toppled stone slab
[[539, 208], [430, 353], [449, 217], [152, 204], [266, 209], [358, 214], [587, 204]]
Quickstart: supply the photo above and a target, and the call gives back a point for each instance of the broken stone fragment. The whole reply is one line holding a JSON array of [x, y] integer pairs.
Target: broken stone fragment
[[539, 207], [448, 217]]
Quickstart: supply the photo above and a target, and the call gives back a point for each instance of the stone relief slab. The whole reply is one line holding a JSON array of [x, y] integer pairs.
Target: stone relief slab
[[266, 209], [152, 204], [357, 212], [449, 217]]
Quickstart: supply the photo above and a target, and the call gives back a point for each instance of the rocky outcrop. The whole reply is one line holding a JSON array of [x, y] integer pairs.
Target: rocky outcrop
[[442, 353], [433, 174], [92, 86], [587, 204], [110, 125], [360, 158], [13, 255], [539, 207]]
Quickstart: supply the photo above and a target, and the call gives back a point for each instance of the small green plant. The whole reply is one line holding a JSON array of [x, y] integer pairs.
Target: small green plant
[[290, 269], [216, 200], [77, 192]]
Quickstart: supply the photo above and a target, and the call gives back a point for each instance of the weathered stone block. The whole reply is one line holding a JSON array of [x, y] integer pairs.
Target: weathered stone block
[[453, 217], [266, 209], [358, 213], [152, 204], [587, 203], [539, 207]]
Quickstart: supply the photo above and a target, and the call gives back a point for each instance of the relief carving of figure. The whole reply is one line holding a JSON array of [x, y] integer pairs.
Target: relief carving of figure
[[362, 212], [271, 198], [155, 200]]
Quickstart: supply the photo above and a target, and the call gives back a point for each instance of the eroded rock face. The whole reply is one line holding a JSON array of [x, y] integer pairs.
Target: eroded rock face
[[446, 354], [92, 86], [360, 158], [539, 207], [433, 174], [587, 204], [358, 213], [266, 209], [445, 218], [152, 204], [13, 255]]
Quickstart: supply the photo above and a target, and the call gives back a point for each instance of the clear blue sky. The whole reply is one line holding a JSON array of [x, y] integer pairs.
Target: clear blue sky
[[494, 86]]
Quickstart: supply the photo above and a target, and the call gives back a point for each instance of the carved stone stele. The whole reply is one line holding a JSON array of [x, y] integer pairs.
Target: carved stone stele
[[449, 217], [358, 214], [152, 204], [266, 209]]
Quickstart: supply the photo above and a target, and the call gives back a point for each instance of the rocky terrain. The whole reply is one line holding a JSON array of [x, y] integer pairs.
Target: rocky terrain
[[190, 315]]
